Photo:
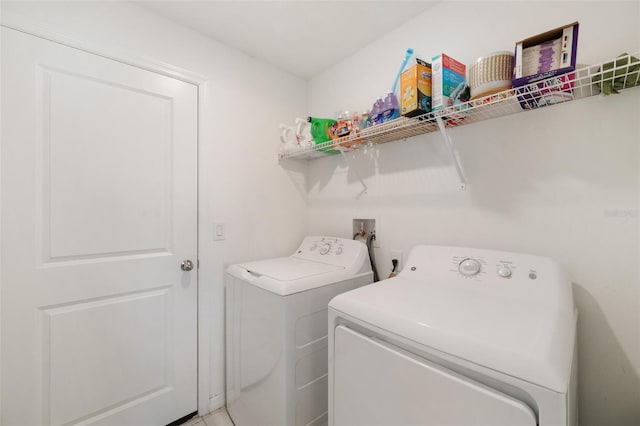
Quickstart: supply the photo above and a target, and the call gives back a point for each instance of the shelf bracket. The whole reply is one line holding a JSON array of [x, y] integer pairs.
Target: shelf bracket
[[364, 185], [452, 152]]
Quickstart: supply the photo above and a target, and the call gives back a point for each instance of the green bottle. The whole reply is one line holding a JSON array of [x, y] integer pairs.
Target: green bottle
[[320, 132]]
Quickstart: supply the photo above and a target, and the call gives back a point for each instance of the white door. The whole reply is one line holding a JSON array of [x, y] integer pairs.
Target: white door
[[98, 210], [375, 383]]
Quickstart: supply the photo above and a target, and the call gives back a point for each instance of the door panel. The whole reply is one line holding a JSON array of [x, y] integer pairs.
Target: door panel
[[137, 191], [94, 342], [376, 383], [99, 208]]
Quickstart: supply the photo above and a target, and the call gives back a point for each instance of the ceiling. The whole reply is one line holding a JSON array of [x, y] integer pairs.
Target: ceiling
[[299, 36]]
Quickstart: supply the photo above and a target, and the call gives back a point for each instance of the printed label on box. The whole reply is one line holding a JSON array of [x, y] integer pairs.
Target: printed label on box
[[545, 55], [415, 90], [448, 74]]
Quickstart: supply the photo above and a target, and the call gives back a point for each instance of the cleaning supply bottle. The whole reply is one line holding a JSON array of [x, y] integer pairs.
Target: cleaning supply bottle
[[355, 126], [320, 132], [364, 119], [355, 133], [320, 128], [391, 108], [342, 127], [376, 112]]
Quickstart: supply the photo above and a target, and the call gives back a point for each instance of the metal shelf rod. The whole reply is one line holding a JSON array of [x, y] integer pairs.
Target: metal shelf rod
[[452, 152], [364, 185]]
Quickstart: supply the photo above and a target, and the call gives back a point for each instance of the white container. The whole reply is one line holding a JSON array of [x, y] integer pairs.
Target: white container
[[491, 74]]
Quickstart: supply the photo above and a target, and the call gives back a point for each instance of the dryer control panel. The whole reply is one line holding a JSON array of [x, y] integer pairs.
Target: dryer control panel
[[476, 283], [480, 265], [333, 250], [488, 274]]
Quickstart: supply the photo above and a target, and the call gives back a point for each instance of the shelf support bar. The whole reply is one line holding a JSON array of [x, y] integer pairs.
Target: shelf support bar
[[364, 185], [452, 152]]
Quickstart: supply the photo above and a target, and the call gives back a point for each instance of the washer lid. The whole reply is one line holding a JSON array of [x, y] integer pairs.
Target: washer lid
[[319, 261], [518, 325], [289, 275], [288, 268]]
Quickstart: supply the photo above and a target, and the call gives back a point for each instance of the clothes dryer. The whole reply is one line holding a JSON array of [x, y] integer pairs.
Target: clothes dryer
[[461, 336], [277, 330]]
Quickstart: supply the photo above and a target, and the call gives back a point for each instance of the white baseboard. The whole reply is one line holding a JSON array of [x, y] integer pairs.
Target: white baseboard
[[216, 401]]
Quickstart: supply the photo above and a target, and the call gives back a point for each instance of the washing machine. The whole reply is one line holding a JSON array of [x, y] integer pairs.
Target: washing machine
[[461, 336], [276, 322]]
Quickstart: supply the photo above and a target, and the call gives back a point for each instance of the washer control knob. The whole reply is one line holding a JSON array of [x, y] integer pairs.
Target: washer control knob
[[469, 267], [504, 271], [325, 248]]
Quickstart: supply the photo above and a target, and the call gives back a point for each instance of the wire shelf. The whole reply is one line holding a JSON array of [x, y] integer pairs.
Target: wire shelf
[[609, 77]]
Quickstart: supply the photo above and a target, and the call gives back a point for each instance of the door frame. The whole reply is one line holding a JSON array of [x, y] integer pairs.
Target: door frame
[[205, 296]]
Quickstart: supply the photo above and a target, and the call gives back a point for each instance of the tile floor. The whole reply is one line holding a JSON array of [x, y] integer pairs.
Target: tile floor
[[215, 418]]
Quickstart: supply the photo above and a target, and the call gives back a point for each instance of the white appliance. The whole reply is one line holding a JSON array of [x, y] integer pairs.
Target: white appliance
[[277, 330], [461, 336]]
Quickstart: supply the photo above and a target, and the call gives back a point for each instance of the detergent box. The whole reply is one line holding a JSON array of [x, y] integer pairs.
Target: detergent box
[[543, 67], [447, 75], [545, 55], [415, 89]]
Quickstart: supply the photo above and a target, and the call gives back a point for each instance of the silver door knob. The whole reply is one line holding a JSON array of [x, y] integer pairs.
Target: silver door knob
[[186, 265]]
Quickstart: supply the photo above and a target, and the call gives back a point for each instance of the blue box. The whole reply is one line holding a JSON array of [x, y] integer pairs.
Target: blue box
[[447, 75]]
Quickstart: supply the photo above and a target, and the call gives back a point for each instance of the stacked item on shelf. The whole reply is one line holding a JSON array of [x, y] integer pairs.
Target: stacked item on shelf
[[332, 135], [448, 81], [321, 132], [342, 133], [415, 89], [542, 72], [548, 60], [296, 138], [491, 74]]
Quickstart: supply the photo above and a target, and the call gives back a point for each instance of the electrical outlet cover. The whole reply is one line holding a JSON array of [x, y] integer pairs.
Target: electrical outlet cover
[[397, 254]]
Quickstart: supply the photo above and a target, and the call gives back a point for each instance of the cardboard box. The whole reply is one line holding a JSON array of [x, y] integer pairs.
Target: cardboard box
[[447, 75], [415, 89], [546, 55]]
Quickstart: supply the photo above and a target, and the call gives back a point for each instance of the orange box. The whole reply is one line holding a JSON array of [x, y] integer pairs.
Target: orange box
[[415, 90]]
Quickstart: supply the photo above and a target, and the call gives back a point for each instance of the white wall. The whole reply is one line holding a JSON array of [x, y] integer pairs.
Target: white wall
[[562, 182], [241, 183]]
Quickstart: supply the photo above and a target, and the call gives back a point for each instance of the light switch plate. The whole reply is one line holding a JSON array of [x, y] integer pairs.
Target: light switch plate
[[218, 231]]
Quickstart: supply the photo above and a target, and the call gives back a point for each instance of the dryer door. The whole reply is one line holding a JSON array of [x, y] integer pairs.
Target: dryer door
[[378, 384]]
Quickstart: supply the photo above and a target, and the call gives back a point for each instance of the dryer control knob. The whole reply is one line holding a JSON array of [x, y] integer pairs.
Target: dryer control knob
[[504, 271], [325, 248], [469, 267]]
